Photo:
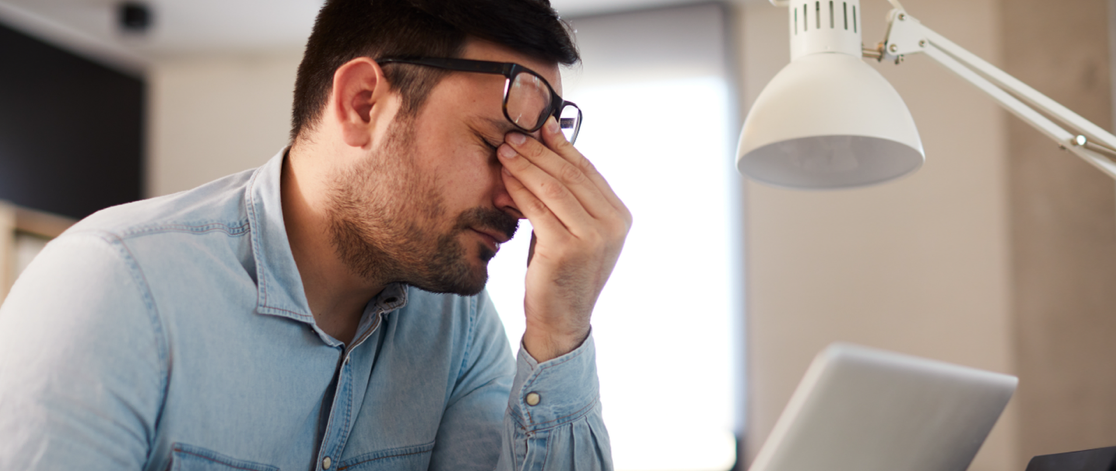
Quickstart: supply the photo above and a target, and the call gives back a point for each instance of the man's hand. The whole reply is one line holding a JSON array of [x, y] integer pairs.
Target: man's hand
[[580, 226]]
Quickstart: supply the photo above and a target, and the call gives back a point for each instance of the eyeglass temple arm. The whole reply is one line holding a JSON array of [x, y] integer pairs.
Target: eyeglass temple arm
[[462, 65]]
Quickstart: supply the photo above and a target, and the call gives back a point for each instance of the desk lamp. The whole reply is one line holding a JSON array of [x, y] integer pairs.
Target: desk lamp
[[828, 120]]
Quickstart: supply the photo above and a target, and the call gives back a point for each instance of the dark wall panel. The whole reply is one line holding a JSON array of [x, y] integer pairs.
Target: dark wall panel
[[71, 130]]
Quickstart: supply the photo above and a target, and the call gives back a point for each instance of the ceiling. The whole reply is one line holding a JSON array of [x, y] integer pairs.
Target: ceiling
[[203, 27]]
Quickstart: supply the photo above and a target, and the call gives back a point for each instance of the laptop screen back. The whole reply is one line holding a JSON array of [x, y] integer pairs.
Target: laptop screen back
[[861, 409]]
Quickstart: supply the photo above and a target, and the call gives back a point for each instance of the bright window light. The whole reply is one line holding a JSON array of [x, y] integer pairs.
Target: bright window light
[[664, 325]]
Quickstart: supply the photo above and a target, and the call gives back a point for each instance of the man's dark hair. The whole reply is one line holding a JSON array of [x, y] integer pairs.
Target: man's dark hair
[[348, 29]]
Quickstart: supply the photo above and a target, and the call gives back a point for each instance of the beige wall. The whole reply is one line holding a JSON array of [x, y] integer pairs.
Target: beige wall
[[1063, 233], [213, 116], [920, 265]]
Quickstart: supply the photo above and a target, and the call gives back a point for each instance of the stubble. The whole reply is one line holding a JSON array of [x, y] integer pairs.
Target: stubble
[[387, 218]]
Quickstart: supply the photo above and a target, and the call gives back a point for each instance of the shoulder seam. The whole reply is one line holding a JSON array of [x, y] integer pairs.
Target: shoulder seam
[[144, 288]]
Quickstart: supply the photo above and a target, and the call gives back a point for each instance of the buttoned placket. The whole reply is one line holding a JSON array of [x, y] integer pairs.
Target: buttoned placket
[[341, 411]]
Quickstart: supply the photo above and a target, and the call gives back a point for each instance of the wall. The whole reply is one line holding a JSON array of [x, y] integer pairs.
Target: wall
[[1063, 232], [920, 265], [213, 116]]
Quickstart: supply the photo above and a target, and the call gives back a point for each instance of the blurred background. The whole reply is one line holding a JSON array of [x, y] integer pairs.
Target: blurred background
[[999, 254]]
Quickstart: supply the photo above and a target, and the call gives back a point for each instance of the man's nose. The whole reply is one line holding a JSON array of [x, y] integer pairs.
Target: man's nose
[[502, 199]]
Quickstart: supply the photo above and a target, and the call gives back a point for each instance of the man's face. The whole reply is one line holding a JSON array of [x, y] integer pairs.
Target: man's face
[[427, 205]]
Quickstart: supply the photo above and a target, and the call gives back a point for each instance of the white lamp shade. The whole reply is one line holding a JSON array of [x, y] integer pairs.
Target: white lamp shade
[[828, 120]]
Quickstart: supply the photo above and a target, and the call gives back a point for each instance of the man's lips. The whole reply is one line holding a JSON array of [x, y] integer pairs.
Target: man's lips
[[491, 238]]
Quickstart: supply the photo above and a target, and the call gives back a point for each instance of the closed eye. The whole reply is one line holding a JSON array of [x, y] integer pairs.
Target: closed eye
[[492, 159], [491, 146]]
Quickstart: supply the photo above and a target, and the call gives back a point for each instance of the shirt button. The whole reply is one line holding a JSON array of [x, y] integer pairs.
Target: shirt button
[[533, 399], [326, 463]]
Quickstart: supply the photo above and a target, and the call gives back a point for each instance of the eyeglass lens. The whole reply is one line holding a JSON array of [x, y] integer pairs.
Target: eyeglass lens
[[528, 100], [570, 122], [528, 105]]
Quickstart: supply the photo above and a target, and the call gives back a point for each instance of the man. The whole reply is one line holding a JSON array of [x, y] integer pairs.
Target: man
[[326, 311]]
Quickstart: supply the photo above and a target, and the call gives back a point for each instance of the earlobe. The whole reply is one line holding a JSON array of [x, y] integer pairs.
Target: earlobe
[[357, 96]]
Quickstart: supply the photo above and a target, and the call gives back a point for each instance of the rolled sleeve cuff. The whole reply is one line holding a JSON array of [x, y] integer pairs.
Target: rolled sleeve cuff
[[555, 392]]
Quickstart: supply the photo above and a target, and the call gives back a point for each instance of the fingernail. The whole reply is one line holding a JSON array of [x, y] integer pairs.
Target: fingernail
[[551, 125], [517, 138], [506, 152]]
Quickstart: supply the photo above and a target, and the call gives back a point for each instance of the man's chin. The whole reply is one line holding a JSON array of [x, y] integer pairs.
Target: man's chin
[[468, 282], [458, 271], [477, 280], [486, 255], [470, 288]]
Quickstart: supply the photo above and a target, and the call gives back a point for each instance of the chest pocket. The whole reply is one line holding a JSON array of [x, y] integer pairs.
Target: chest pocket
[[403, 458], [191, 458]]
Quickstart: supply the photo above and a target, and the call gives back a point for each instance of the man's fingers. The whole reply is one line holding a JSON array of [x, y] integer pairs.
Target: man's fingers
[[576, 180], [554, 139], [531, 206], [552, 192]]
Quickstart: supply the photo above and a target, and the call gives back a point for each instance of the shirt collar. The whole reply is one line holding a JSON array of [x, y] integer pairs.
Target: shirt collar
[[279, 286], [279, 290]]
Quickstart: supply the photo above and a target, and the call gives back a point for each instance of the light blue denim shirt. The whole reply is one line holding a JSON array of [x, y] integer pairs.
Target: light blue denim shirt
[[174, 333]]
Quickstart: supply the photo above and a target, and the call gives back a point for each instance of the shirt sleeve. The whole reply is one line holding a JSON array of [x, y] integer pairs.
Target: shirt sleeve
[[551, 412], [554, 414], [81, 365]]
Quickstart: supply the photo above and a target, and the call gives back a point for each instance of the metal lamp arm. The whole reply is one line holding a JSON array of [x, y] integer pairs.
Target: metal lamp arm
[[906, 35]]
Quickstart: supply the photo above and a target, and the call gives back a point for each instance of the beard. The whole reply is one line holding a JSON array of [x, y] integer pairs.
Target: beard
[[385, 217]]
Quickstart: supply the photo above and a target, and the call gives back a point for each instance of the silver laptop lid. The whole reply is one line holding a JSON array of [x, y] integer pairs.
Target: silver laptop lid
[[861, 409]]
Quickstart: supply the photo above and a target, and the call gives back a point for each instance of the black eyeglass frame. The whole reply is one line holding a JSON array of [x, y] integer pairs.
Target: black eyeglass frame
[[509, 70]]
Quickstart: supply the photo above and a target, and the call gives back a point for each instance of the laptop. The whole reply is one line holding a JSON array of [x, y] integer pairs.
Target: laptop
[[862, 409], [1097, 459]]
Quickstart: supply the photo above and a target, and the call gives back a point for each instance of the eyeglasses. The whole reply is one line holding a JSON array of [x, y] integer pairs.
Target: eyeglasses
[[528, 98]]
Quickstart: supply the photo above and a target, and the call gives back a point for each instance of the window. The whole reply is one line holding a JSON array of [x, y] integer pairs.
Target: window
[[660, 126]]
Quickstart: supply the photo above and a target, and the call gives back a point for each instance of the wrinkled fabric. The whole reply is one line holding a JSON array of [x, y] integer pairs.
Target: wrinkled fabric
[[174, 333]]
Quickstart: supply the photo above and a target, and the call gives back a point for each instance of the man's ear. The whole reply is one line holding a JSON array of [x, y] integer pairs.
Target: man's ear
[[360, 100]]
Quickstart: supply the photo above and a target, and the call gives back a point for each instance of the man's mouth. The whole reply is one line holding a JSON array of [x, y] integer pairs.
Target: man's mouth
[[492, 226], [491, 238]]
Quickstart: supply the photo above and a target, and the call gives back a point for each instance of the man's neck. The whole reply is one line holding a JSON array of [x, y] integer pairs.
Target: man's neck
[[336, 296]]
